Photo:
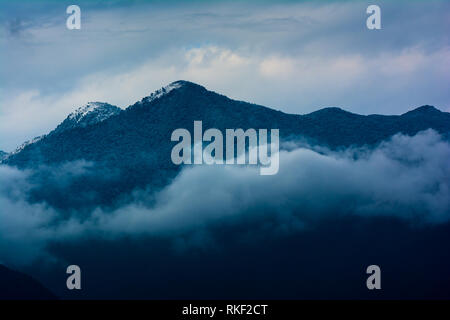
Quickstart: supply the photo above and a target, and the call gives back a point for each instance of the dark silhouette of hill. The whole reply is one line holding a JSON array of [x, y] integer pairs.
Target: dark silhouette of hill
[[18, 286]]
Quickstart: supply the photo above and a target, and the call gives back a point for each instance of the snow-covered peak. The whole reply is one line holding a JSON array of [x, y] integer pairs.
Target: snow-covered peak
[[91, 113], [163, 91], [102, 111], [23, 145]]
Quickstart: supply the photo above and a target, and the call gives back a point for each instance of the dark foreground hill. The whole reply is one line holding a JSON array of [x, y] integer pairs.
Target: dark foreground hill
[[18, 286]]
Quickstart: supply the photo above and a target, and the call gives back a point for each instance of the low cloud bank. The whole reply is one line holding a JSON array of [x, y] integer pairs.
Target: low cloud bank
[[404, 177]]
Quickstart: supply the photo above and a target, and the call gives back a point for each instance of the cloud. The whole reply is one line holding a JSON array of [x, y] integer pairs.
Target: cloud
[[405, 177], [24, 230], [296, 57]]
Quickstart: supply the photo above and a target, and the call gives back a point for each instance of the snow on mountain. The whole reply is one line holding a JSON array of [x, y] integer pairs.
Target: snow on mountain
[[163, 91], [91, 113], [23, 145]]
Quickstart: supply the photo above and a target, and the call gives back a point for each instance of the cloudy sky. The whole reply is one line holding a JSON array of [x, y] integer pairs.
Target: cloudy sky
[[295, 56]]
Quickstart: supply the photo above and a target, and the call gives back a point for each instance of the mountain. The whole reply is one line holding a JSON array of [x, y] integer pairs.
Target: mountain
[[133, 146], [335, 127], [91, 113], [23, 145], [18, 286]]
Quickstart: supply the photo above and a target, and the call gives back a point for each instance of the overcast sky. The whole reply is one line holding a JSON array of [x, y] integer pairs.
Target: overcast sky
[[295, 56]]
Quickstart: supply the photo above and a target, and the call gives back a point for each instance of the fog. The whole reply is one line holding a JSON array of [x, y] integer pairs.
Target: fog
[[404, 177]]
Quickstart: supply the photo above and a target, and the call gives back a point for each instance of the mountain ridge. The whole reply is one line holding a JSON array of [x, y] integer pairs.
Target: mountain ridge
[[133, 147], [182, 99], [197, 103], [74, 120]]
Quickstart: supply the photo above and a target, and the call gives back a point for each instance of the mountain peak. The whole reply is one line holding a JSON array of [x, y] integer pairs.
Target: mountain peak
[[101, 108], [185, 83], [91, 113], [163, 91], [331, 111], [171, 87], [426, 109]]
